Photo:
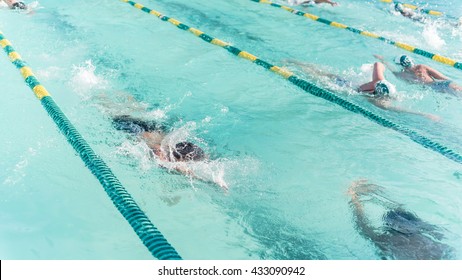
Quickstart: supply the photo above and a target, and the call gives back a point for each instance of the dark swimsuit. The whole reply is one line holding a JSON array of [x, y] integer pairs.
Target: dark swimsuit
[[136, 126], [442, 86]]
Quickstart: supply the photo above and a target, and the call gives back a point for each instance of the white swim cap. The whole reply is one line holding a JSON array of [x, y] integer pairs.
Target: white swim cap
[[384, 87], [404, 60]]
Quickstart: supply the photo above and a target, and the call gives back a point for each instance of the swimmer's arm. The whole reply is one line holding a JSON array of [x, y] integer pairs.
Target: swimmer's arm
[[296, 62], [153, 139], [310, 69], [325, 1], [435, 74], [359, 217], [392, 68], [183, 169], [8, 2], [367, 87], [387, 106]]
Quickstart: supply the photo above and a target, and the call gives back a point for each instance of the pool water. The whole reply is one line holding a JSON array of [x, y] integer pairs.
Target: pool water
[[287, 157]]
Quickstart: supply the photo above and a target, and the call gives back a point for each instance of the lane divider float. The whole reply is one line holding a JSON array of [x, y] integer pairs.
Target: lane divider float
[[404, 46], [123, 201], [307, 86]]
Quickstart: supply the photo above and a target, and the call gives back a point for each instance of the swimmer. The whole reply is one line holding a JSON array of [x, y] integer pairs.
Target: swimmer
[[403, 235], [153, 134], [409, 13], [378, 91], [310, 2], [173, 156], [15, 5], [422, 74]]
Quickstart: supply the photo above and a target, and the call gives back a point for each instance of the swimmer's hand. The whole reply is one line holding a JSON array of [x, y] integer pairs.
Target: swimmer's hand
[[218, 180], [434, 118], [379, 57], [356, 187], [352, 189], [222, 184]]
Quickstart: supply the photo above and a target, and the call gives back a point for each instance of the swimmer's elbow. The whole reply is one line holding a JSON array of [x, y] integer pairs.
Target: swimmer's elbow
[[384, 105]]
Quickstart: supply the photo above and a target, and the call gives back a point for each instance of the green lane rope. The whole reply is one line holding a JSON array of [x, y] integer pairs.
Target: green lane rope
[[307, 86], [413, 7], [436, 57], [123, 201]]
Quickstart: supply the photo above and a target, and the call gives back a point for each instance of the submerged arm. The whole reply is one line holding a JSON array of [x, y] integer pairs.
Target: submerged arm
[[392, 68], [326, 1], [185, 170], [387, 106], [311, 69], [359, 217]]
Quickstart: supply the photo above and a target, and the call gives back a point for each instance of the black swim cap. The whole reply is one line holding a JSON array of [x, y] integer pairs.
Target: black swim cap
[[399, 7], [188, 151], [19, 5]]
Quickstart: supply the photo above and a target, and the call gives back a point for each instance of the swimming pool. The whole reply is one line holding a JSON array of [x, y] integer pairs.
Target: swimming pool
[[287, 156]]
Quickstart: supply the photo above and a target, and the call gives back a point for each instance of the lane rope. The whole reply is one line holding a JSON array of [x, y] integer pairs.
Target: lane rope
[[123, 201], [307, 86], [404, 46]]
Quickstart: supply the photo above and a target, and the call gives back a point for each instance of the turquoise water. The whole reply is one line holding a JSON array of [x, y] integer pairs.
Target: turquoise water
[[287, 157]]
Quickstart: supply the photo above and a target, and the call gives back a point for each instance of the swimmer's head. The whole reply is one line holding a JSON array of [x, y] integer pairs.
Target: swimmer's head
[[405, 11], [187, 151], [19, 6], [384, 88], [405, 61], [399, 7]]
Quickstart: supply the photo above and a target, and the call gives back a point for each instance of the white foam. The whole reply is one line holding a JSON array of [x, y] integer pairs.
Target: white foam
[[18, 173], [367, 69], [207, 119], [157, 114], [430, 34], [50, 73], [222, 172], [33, 5], [84, 78], [224, 109], [139, 151]]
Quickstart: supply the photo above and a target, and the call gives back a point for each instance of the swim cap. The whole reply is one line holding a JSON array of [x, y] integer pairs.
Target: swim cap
[[19, 5], [384, 87], [399, 7], [188, 151], [404, 61]]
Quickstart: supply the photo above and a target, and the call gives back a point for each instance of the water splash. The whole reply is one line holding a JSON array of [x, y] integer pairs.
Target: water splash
[[138, 151], [49, 73], [431, 36], [84, 79], [18, 173]]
